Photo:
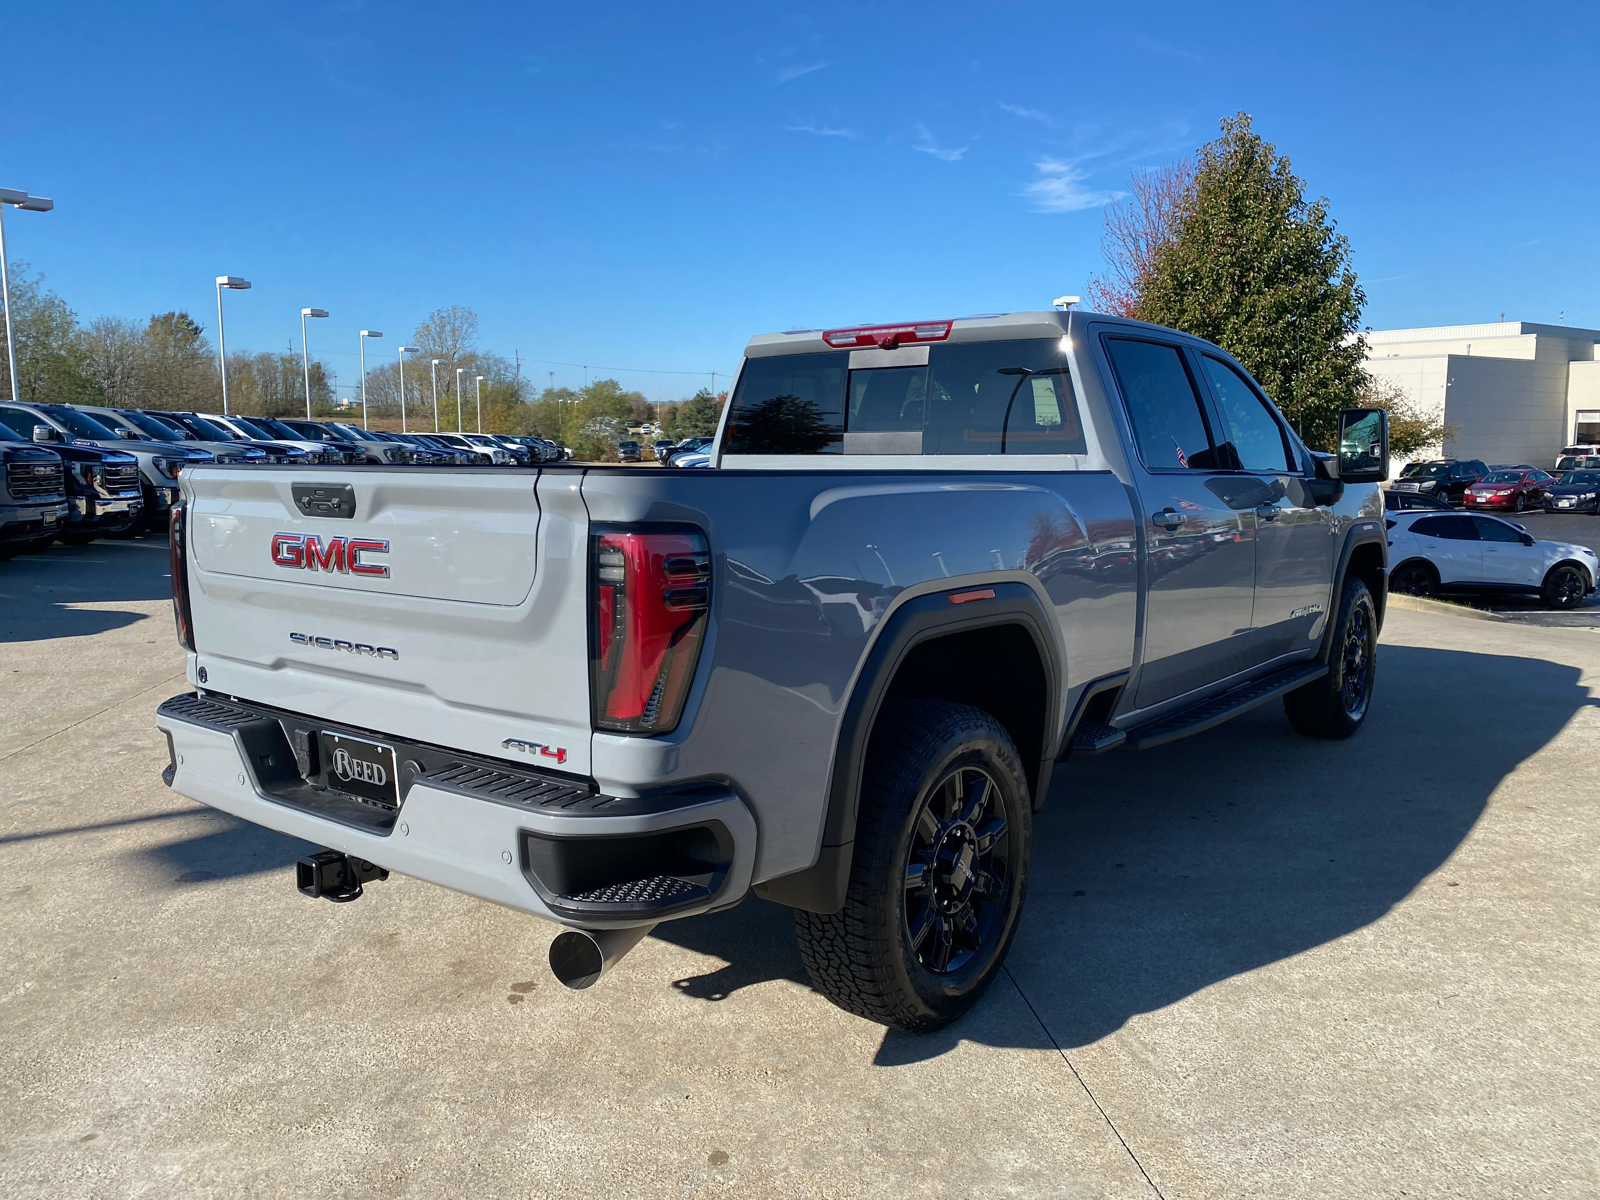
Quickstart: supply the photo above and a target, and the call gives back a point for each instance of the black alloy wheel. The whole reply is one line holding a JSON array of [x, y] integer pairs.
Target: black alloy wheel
[[1358, 660], [938, 872], [1414, 579], [958, 872], [1565, 586], [1335, 706]]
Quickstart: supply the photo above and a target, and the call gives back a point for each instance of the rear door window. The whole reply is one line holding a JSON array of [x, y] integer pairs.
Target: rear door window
[[1446, 528], [1163, 405]]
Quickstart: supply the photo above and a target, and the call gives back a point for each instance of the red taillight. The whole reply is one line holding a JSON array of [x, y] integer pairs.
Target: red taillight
[[180, 577], [651, 595], [887, 336]]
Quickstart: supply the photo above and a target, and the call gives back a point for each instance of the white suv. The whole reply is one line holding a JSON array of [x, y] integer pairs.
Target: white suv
[[1461, 552]]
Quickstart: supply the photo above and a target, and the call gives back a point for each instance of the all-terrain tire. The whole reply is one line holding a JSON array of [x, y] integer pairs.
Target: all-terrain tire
[[1335, 705], [938, 875]]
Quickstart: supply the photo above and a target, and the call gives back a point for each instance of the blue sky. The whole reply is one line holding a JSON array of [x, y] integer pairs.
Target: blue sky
[[646, 186]]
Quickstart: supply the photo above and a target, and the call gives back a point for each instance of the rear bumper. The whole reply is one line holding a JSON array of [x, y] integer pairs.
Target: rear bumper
[[577, 858]]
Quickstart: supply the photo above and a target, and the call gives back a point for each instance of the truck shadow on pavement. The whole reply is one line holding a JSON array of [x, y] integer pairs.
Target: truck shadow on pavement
[[230, 848], [36, 590], [1158, 874]]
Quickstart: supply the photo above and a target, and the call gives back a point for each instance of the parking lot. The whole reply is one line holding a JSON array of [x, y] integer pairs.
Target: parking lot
[[1251, 965]]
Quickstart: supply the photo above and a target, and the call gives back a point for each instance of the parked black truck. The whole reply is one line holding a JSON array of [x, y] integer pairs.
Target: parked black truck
[[33, 498]]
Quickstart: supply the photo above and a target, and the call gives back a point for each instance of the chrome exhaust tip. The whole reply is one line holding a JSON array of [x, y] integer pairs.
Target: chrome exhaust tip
[[579, 957]]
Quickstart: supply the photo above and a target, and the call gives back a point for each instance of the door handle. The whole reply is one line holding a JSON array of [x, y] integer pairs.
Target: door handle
[[1268, 512], [1167, 518]]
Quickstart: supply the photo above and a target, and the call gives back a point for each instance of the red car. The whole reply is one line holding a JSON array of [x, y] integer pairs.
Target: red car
[[1516, 489]]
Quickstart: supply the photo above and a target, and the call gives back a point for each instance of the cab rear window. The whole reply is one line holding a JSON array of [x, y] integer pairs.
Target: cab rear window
[[1010, 397]]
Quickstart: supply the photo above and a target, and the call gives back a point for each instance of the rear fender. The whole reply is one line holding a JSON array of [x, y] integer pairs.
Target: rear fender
[[914, 623]]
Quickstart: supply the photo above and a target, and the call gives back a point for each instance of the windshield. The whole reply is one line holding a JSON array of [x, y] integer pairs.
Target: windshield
[[81, 424], [7, 434], [1424, 471], [208, 431], [150, 428], [1584, 478], [351, 432], [1503, 477], [306, 431]]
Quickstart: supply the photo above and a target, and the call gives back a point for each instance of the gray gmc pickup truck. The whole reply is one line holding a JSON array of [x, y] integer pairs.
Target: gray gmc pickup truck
[[930, 565]]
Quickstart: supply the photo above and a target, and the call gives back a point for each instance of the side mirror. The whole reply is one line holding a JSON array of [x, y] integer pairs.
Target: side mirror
[[1527, 539], [126, 434], [46, 433], [1363, 445]]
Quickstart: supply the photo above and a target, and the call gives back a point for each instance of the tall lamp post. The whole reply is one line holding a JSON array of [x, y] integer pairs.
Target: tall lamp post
[[460, 371], [305, 353], [233, 283], [435, 369], [404, 350], [362, 342], [480, 403], [29, 204]]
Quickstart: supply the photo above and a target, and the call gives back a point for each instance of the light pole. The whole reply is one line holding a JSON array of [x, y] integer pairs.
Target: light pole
[[460, 371], [362, 342], [233, 283], [31, 204], [480, 403], [435, 369], [403, 351], [305, 353]]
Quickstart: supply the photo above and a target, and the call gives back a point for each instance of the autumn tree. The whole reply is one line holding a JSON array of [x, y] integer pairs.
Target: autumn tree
[[1135, 229]]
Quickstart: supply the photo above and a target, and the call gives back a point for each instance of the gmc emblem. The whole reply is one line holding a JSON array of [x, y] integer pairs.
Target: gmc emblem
[[305, 551]]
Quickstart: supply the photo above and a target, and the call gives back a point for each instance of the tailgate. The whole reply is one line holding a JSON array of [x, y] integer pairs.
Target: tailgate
[[444, 606]]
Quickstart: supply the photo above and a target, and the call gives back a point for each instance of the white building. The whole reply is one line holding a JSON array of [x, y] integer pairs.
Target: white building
[[1515, 391]]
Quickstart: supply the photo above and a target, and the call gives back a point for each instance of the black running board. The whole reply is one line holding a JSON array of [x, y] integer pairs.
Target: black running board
[[1209, 713]]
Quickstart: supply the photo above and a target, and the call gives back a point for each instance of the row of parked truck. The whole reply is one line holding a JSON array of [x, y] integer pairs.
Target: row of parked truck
[[77, 473]]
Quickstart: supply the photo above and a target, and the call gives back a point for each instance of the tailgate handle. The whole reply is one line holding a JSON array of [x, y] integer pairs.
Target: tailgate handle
[[324, 499]]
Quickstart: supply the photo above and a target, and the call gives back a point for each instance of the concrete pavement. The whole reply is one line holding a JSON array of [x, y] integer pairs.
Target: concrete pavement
[[1251, 965]]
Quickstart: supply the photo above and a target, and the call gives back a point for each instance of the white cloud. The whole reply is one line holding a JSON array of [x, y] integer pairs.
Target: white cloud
[[821, 130], [1061, 188], [1030, 114], [927, 145], [789, 73]]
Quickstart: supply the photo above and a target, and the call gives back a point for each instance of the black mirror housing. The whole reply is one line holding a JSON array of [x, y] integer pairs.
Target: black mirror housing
[[1363, 445]]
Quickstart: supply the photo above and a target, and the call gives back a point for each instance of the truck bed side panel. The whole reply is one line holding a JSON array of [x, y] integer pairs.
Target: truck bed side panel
[[810, 563]]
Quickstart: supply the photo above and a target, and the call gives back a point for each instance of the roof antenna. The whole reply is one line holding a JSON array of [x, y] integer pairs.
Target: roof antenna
[[1065, 303]]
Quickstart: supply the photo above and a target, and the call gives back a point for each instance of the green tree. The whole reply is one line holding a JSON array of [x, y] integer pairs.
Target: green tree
[[697, 416], [177, 366], [52, 363], [1257, 268]]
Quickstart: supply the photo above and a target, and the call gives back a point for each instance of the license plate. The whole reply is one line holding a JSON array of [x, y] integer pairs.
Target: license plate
[[50, 518], [360, 767], [1563, 503]]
